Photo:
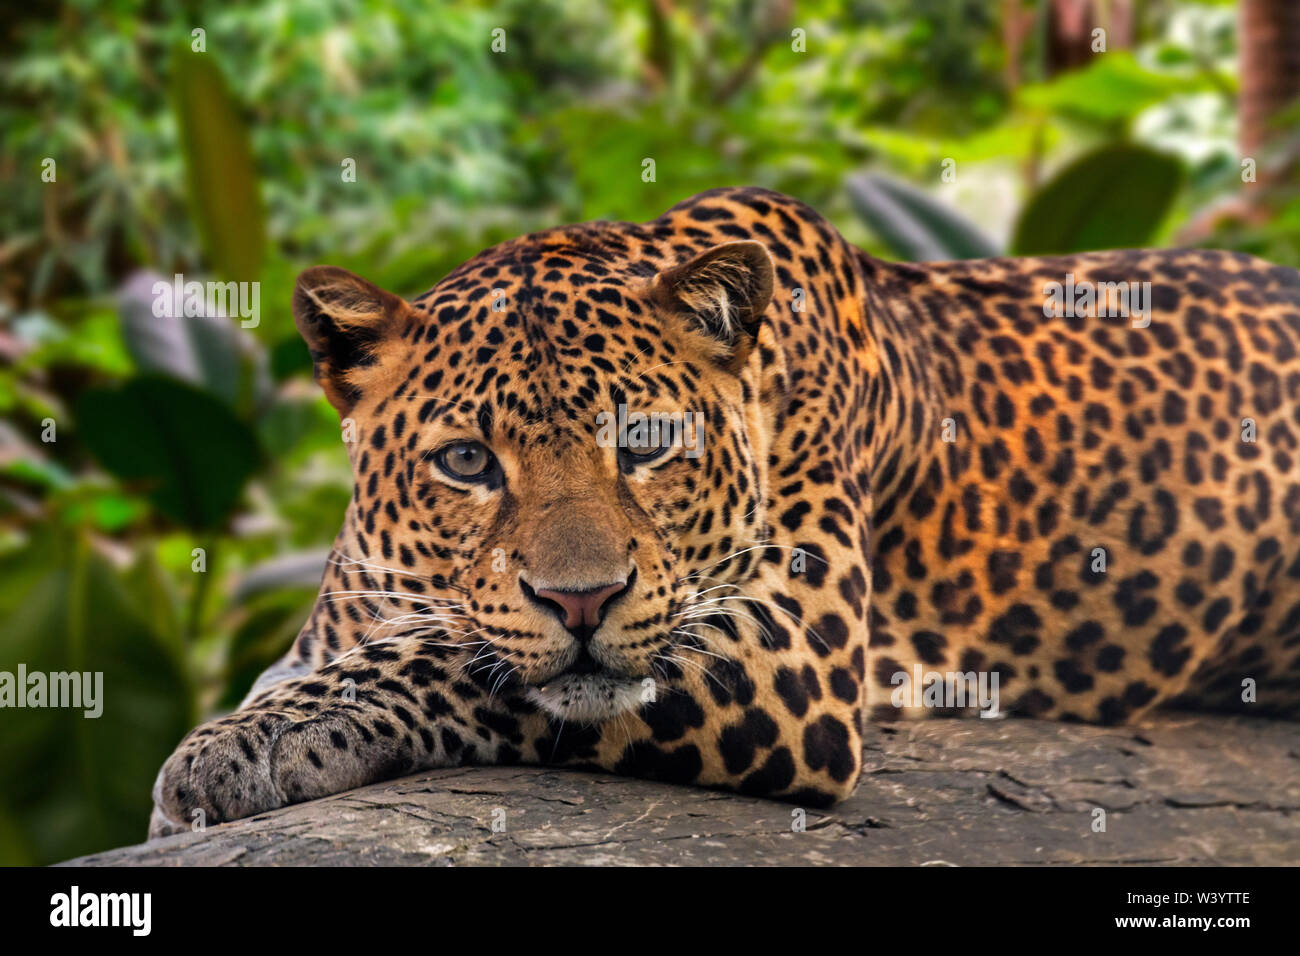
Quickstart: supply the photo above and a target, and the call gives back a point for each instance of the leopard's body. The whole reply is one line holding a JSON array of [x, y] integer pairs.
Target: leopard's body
[[902, 467]]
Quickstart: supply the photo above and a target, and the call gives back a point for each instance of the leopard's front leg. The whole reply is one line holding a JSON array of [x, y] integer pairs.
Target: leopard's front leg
[[378, 712]]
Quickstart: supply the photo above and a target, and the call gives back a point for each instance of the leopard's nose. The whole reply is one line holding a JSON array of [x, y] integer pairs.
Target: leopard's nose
[[581, 611]]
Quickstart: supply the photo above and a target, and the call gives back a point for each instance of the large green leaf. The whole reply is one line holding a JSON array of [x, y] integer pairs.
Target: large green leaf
[[912, 224], [72, 784], [185, 447], [1114, 197], [222, 181]]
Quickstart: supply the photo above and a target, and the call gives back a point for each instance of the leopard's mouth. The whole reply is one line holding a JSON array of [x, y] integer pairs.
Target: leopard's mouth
[[587, 689], [588, 698], [585, 664]]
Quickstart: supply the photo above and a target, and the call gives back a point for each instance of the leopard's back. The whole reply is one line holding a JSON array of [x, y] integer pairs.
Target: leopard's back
[[1107, 513]]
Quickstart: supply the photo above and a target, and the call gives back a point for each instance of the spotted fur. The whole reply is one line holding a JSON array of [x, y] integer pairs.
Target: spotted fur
[[902, 465]]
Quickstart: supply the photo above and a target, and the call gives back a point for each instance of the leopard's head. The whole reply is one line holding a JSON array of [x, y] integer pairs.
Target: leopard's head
[[560, 460]]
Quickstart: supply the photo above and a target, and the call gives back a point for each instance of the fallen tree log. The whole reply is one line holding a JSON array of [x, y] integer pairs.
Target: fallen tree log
[[1177, 789]]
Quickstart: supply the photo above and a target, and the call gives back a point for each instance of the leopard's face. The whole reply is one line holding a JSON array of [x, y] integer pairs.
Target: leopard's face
[[553, 472]]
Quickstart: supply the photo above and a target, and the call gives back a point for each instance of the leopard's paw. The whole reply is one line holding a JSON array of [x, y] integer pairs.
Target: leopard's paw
[[220, 772], [248, 764], [160, 825]]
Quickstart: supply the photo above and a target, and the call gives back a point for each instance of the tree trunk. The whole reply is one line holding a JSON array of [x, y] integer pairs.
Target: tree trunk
[[1179, 789], [1269, 54], [1070, 26]]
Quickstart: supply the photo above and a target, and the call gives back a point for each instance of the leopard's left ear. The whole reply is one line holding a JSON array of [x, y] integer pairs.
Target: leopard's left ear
[[343, 319], [724, 291]]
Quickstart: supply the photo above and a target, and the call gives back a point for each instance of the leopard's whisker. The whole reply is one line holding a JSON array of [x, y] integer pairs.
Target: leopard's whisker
[[391, 595]]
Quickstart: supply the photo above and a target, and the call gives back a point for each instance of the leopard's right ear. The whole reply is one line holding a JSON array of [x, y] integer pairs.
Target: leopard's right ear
[[724, 293], [343, 319]]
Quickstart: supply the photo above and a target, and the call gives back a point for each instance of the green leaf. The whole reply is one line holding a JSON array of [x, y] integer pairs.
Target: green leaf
[[70, 783], [912, 224], [189, 452], [222, 181], [290, 357], [1112, 87], [1114, 197]]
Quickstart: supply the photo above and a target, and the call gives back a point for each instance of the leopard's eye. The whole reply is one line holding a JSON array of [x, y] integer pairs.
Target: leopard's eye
[[466, 460], [637, 452], [646, 452]]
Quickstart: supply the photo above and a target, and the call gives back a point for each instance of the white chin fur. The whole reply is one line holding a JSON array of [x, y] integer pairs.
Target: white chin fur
[[586, 699]]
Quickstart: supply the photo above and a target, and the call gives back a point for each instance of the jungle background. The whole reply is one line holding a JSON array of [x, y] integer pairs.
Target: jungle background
[[169, 486]]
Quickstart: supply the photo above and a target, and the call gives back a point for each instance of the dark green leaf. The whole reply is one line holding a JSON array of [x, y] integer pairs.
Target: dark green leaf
[[1114, 197], [189, 452], [290, 357]]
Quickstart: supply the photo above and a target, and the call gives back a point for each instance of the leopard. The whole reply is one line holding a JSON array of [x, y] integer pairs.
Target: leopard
[[867, 471]]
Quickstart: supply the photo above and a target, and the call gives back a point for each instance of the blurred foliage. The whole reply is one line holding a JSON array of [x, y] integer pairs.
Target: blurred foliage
[[169, 485]]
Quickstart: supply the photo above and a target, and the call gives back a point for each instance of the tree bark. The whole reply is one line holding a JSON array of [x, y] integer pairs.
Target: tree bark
[[1269, 53], [1179, 789], [1069, 42]]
